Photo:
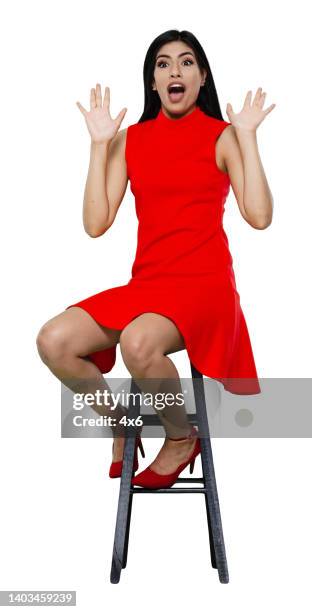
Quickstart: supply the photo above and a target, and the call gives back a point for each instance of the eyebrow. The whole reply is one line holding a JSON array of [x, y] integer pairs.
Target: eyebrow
[[184, 53]]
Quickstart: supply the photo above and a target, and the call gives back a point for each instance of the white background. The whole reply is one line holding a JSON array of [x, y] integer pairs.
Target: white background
[[58, 505]]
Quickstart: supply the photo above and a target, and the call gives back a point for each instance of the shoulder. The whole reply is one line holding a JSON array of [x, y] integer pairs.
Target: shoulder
[[141, 126], [227, 147], [228, 139], [118, 142], [120, 139], [121, 135], [117, 145]]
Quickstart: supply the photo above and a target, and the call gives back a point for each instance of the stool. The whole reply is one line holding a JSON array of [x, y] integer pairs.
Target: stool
[[209, 488]]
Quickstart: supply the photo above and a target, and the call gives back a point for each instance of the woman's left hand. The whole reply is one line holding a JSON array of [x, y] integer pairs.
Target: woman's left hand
[[252, 114]]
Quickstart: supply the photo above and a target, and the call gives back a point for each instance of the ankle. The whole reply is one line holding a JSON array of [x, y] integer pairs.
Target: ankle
[[187, 436], [118, 428]]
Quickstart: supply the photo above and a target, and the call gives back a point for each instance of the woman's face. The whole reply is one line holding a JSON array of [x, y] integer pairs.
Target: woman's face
[[176, 64]]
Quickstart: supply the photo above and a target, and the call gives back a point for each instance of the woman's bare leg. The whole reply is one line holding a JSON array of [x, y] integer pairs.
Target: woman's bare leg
[[62, 343], [145, 343]]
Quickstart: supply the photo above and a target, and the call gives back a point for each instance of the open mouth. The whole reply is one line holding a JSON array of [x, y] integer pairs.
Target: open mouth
[[176, 92]]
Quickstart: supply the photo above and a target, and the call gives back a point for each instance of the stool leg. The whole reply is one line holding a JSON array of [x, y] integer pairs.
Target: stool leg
[[122, 528], [125, 556], [218, 554], [212, 550], [123, 511]]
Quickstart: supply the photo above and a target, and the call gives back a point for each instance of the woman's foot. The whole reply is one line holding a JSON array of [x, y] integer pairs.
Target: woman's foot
[[172, 454]]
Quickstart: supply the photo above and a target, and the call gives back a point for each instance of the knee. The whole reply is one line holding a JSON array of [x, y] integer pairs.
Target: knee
[[136, 350], [50, 343]]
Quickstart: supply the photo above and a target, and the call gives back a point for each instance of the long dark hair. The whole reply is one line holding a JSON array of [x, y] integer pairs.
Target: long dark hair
[[207, 98]]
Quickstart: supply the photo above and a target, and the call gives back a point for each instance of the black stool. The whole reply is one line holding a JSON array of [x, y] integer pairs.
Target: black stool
[[209, 488]]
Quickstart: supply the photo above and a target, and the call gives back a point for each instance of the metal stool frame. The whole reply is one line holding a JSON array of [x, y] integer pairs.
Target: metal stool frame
[[209, 488]]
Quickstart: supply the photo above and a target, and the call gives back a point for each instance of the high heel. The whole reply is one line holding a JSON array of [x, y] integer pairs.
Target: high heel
[[116, 466], [151, 480]]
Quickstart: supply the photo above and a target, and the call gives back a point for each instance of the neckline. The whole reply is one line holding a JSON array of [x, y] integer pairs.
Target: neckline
[[179, 121]]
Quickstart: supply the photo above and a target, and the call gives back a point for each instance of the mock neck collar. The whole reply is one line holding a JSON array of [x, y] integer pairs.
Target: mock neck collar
[[185, 119]]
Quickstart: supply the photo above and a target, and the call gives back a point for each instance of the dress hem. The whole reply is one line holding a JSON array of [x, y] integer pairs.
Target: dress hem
[[200, 369]]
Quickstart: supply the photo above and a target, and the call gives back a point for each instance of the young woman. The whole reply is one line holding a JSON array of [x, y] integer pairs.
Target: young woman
[[181, 158]]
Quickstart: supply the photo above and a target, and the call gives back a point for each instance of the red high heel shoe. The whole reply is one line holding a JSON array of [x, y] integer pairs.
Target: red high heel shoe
[[151, 480], [116, 466]]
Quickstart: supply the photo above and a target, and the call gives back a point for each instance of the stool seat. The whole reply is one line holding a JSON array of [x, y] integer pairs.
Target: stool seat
[[208, 480]]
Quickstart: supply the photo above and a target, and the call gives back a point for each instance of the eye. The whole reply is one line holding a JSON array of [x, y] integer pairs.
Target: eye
[[163, 62]]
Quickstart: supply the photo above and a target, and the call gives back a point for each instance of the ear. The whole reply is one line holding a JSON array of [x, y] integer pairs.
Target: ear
[[204, 75]]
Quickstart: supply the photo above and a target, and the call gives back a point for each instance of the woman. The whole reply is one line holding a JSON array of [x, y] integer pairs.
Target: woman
[[181, 158]]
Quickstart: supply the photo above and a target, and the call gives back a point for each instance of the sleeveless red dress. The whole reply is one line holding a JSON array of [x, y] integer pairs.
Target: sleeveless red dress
[[183, 266]]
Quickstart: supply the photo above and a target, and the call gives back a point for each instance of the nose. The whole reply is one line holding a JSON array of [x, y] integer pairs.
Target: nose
[[175, 71]]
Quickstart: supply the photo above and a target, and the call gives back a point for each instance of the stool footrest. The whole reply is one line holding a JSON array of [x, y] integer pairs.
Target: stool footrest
[[170, 490]]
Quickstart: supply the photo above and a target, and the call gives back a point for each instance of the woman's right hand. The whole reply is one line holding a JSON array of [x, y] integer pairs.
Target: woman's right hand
[[101, 126]]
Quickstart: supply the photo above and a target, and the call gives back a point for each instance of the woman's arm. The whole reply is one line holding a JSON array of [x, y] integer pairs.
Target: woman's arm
[[107, 175], [239, 150], [250, 186], [106, 184]]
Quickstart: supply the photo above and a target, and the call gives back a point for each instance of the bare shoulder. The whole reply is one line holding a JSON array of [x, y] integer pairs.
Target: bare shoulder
[[229, 156], [121, 134], [118, 143], [227, 148], [228, 140]]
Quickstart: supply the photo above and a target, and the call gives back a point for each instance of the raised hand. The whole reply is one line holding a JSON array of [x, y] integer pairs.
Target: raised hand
[[251, 115], [101, 126]]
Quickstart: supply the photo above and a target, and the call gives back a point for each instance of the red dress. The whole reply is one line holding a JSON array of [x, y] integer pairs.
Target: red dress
[[183, 266]]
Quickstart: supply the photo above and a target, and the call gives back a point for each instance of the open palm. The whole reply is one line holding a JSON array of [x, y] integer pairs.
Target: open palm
[[252, 114], [101, 126]]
